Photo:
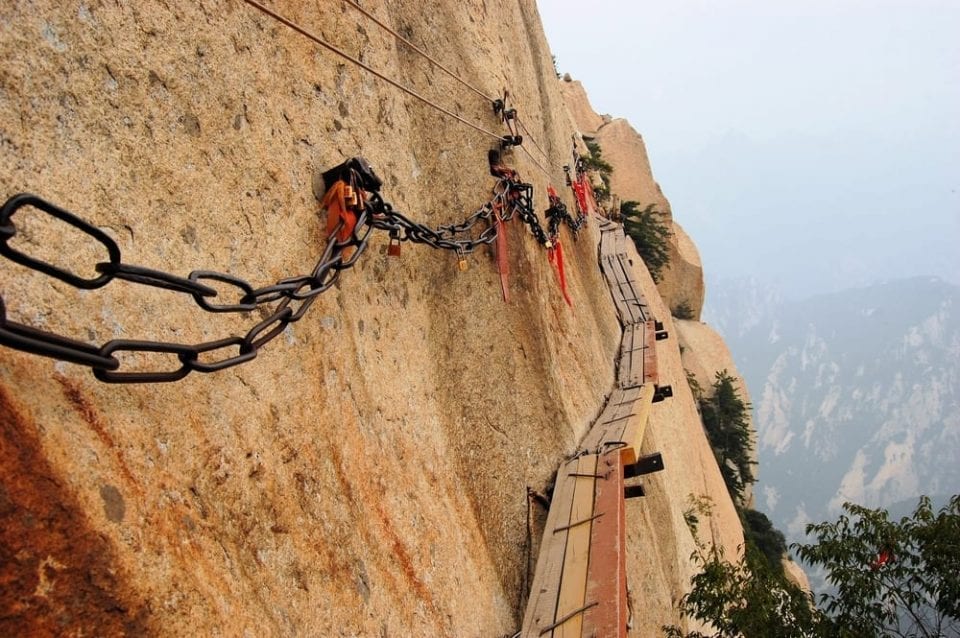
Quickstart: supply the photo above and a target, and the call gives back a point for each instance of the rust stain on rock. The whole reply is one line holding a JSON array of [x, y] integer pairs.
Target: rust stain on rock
[[392, 538], [92, 418], [58, 576]]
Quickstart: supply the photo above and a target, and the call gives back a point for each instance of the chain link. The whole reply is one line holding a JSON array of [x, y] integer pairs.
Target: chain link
[[286, 301], [558, 214], [292, 297]]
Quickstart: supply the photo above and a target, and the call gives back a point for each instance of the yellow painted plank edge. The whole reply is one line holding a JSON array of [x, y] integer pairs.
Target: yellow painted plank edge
[[637, 426], [541, 606]]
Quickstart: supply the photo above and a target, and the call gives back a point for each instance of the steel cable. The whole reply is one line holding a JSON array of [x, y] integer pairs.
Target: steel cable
[[346, 56], [419, 50]]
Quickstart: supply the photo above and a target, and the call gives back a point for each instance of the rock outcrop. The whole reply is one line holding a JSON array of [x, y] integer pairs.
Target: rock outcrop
[[681, 282], [367, 473], [587, 121], [632, 177]]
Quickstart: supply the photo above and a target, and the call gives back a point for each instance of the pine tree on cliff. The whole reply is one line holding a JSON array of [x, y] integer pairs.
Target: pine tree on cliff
[[725, 419], [650, 234]]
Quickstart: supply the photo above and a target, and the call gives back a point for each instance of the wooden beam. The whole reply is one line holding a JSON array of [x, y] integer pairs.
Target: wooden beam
[[573, 584], [637, 426], [542, 605], [650, 374], [607, 575]]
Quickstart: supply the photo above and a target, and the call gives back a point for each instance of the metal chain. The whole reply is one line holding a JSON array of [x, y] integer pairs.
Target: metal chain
[[511, 198], [557, 214], [290, 297]]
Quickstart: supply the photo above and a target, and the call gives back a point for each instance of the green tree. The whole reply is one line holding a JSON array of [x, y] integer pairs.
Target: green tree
[[744, 598], [650, 234], [695, 388], [683, 310], [759, 532], [725, 418], [891, 578], [595, 162]]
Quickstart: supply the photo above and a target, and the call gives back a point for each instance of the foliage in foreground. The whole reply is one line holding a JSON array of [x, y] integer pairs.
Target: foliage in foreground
[[892, 578], [747, 598], [650, 234]]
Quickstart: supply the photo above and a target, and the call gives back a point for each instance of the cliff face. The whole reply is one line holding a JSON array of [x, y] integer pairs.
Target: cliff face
[[367, 472], [681, 282]]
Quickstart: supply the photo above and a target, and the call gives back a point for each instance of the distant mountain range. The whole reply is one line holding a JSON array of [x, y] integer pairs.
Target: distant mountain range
[[856, 394]]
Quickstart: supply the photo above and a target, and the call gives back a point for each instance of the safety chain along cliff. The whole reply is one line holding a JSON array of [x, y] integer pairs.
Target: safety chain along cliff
[[355, 208]]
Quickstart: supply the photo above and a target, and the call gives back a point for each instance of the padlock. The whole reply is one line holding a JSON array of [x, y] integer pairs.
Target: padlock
[[462, 261], [350, 196], [393, 248]]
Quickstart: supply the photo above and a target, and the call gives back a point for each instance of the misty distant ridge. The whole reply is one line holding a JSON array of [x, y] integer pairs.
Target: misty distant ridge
[[856, 393]]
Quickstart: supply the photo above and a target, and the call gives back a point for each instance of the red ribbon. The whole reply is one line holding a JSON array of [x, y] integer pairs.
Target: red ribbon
[[503, 262], [556, 257]]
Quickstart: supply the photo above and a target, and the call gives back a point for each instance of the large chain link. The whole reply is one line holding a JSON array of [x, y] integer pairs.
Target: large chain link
[[291, 297], [287, 300]]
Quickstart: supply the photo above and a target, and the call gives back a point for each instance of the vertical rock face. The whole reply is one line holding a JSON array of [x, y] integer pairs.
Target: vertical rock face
[[367, 472], [587, 121], [632, 176], [681, 283]]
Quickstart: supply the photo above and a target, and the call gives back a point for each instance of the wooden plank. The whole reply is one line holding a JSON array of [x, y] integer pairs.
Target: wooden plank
[[637, 426], [632, 347], [650, 354], [625, 360], [607, 573], [624, 292], [542, 605], [614, 263], [610, 270], [573, 584], [610, 423], [608, 239], [620, 238], [579, 587], [630, 291]]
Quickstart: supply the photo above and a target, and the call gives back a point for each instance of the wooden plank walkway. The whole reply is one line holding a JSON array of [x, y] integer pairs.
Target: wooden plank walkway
[[579, 586]]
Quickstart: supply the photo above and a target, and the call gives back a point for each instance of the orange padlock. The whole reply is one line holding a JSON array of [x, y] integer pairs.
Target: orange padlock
[[393, 248]]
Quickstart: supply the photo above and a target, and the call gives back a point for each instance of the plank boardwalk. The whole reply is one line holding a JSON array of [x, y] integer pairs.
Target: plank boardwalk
[[579, 586]]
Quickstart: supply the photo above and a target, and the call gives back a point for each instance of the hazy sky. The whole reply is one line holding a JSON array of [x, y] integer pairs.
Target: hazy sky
[[814, 145]]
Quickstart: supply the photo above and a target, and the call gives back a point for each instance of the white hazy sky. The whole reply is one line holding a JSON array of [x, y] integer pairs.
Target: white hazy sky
[[814, 145]]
